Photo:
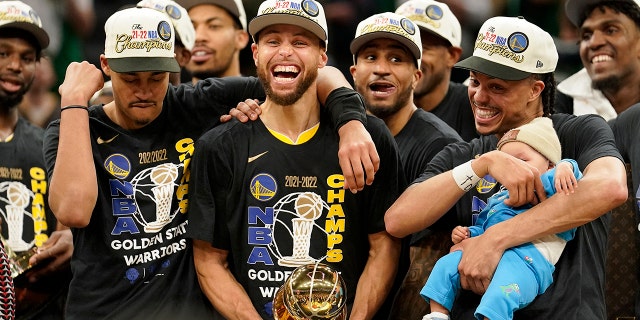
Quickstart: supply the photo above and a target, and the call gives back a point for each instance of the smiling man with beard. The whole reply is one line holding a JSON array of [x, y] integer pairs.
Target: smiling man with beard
[[268, 195]]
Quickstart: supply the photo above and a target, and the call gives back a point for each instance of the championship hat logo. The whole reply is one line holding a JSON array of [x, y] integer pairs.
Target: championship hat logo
[[18, 15], [173, 12], [310, 8], [511, 48], [307, 14], [388, 25], [518, 42], [140, 39], [434, 12]]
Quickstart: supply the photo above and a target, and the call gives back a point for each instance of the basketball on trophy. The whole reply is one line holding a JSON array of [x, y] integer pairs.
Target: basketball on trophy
[[308, 205], [312, 291]]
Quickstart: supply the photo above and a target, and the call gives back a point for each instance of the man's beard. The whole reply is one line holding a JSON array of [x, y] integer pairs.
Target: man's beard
[[608, 84], [384, 112], [8, 101], [287, 100]]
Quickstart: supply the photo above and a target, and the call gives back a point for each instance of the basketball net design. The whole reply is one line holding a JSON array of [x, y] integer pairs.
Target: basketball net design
[[17, 199], [160, 180], [18, 251], [308, 207]]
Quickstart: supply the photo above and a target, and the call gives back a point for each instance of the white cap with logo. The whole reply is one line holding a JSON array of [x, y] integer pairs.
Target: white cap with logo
[[140, 39], [179, 16], [434, 17], [18, 15], [511, 48], [391, 26], [235, 7], [307, 14]]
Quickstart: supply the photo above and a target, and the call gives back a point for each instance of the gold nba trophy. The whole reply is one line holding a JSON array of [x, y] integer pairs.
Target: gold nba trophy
[[312, 291]]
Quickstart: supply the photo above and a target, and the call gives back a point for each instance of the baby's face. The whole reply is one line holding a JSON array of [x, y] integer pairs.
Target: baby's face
[[527, 154]]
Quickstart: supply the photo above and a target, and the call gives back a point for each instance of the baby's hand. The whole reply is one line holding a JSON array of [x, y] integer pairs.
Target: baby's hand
[[459, 233], [565, 181]]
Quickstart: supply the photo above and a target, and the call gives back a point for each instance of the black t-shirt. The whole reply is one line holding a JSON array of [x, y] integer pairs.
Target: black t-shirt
[[626, 129], [133, 260], [422, 137], [578, 289], [253, 194], [456, 111]]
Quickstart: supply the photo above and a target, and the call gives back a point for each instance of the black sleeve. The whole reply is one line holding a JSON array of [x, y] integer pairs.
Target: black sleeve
[[50, 146], [219, 94], [345, 105]]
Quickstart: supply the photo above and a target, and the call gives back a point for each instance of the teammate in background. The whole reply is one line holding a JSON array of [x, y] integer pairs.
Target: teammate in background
[[221, 33], [524, 271], [185, 33], [387, 53], [28, 226], [506, 93], [119, 172], [286, 206], [435, 92], [609, 37]]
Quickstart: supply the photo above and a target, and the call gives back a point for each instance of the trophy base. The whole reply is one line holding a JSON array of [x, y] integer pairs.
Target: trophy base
[[155, 226], [295, 262]]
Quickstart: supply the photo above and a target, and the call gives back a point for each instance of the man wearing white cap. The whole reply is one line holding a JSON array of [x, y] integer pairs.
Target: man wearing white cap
[[30, 231], [120, 172], [511, 83], [255, 221], [609, 35], [387, 55], [440, 33], [523, 271], [221, 34]]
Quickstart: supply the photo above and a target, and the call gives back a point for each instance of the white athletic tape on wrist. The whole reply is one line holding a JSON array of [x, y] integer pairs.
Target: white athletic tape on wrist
[[464, 176]]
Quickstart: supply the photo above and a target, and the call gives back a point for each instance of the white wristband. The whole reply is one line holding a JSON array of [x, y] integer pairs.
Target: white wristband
[[464, 176]]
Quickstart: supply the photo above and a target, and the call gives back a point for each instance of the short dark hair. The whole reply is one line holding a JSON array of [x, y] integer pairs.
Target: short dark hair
[[627, 7]]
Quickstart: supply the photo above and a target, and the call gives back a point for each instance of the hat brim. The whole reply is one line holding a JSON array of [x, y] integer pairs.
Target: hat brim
[[260, 22], [491, 69], [40, 35], [574, 9], [358, 42], [142, 64]]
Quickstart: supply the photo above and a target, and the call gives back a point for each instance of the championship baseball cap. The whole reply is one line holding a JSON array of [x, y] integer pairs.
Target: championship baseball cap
[[18, 15], [391, 26], [511, 48], [434, 17], [575, 9], [307, 14], [540, 135], [179, 17], [140, 39], [234, 7]]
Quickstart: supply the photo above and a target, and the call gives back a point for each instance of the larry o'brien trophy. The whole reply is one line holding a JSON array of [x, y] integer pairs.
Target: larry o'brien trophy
[[312, 291]]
